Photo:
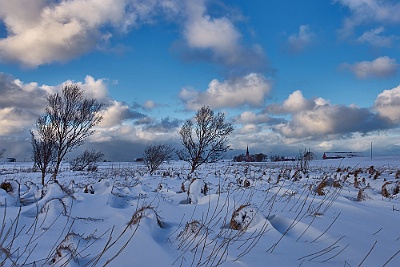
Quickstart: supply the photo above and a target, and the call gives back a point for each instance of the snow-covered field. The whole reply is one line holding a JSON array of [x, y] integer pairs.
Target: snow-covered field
[[340, 213]]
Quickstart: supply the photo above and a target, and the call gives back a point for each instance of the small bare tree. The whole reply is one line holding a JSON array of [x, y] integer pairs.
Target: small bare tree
[[205, 139], [2, 152], [303, 160], [87, 159], [155, 155], [43, 146], [72, 118]]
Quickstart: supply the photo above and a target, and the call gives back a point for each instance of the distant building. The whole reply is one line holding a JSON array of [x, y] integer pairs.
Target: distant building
[[11, 160], [309, 156], [247, 157], [341, 155]]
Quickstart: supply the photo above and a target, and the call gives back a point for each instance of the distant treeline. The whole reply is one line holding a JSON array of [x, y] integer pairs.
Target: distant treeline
[[260, 157]]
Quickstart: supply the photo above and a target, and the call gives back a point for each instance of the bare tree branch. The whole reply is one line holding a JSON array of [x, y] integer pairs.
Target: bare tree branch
[[71, 119], [87, 159], [155, 155], [205, 140]]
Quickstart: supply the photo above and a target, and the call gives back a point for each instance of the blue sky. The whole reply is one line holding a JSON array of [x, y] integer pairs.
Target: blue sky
[[288, 75]]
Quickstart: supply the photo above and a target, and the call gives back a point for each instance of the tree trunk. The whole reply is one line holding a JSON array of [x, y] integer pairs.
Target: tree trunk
[[43, 175], [55, 173], [193, 168]]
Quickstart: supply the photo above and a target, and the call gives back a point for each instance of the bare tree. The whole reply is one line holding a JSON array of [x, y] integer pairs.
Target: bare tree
[[205, 139], [43, 146], [303, 160], [2, 152], [72, 118], [155, 155], [87, 159]]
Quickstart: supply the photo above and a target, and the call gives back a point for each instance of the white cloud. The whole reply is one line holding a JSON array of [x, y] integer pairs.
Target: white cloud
[[367, 11], [94, 88], [15, 120], [379, 68], [298, 42], [375, 38], [41, 32], [387, 104], [248, 90], [18, 112], [216, 39], [325, 120], [202, 31], [249, 129], [318, 119], [294, 103], [115, 114]]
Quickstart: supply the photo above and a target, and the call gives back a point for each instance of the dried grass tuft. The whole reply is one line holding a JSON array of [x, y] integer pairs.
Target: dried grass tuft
[[320, 188], [141, 213], [6, 186], [361, 196], [389, 189], [235, 225], [192, 228]]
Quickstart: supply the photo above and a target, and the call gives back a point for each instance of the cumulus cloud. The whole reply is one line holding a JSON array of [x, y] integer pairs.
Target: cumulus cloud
[[18, 111], [15, 93], [13, 120], [330, 120], [381, 67], [295, 102], [202, 31], [318, 118], [387, 104], [116, 113], [297, 43], [367, 11], [216, 39], [249, 90], [41, 32]]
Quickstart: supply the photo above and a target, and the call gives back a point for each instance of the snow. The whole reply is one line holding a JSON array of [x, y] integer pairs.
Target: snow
[[229, 214]]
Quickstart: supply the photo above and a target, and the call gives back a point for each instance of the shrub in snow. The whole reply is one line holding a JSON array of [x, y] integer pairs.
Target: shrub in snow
[[145, 212], [162, 187], [192, 229], [320, 188], [6, 186], [69, 248], [155, 155], [185, 186], [361, 196], [6, 199], [89, 189], [246, 216], [87, 159], [197, 189], [389, 189]]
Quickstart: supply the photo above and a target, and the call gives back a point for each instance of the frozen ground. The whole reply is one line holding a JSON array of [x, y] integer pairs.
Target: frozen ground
[[340, 213]]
